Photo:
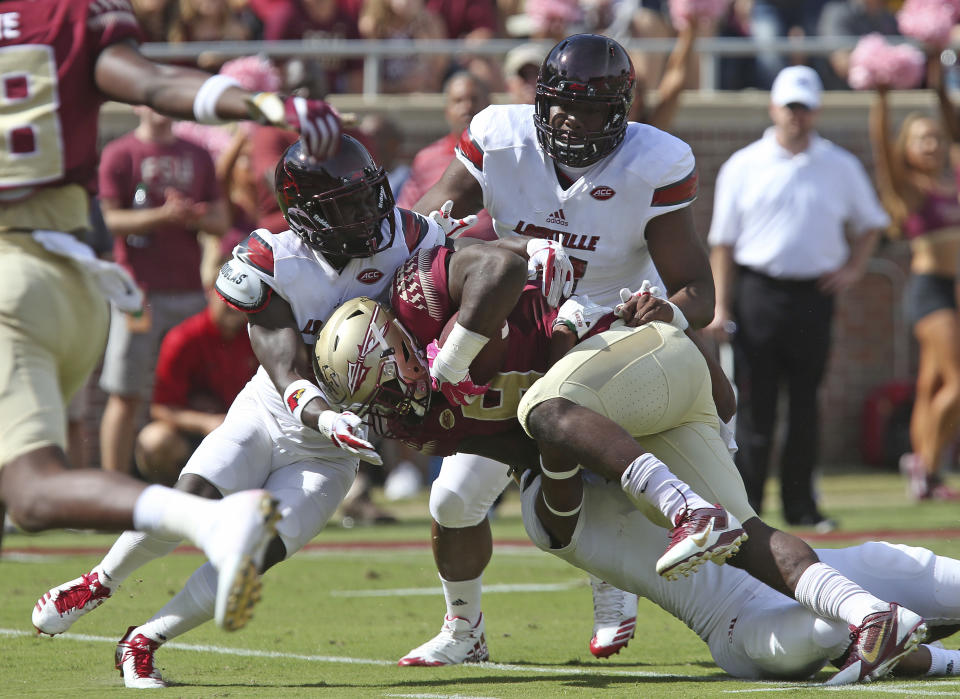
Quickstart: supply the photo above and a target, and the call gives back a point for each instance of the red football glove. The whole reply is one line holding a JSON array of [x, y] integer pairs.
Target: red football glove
[[457, 390]]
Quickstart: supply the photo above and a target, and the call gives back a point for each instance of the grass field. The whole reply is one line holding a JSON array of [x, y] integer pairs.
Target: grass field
[[336, 617]]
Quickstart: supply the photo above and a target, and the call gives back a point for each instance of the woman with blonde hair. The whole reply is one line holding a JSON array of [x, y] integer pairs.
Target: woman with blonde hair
[[919, 189]]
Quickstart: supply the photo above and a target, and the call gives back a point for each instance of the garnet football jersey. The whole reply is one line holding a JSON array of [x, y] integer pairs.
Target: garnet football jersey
[[600, 218], [49, 102], [423, 306]]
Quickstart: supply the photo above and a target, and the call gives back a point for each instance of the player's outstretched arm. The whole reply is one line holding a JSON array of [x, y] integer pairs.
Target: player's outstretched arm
[[123, 74]]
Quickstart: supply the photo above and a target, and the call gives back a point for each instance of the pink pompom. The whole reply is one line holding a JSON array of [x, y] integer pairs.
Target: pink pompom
[[215, 139], [876, 63], [929, 21], [682, 11], [254, 73]]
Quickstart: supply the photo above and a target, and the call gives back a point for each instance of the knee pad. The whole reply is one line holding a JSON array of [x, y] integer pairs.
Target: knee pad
[[449, 509]]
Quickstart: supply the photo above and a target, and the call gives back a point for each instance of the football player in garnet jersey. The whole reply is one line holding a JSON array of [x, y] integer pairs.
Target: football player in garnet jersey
[[572, 169], [369, 360], [346, 238], [60, 60]]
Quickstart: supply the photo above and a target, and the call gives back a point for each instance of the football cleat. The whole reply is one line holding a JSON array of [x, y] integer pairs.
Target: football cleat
[[707, 533], [242, 527], [134, 660], [614, 618], [56, 611], [458, 642], [879, 643]]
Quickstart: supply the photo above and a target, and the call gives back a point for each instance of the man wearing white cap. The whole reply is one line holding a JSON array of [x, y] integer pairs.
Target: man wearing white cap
[[779, 257]]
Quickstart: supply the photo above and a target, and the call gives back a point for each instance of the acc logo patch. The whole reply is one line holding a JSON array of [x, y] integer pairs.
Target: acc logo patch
[[447, 421], [370, 276], [602, 193]]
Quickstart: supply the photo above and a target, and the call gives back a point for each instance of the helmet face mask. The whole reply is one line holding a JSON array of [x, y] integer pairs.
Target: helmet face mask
[[584, 70], [367, 363], [336, 206]]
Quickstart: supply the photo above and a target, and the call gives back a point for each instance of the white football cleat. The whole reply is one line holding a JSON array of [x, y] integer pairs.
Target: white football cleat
[[614, 618], [134, 660], [235, 543], [458, 642], [707, 533], [56, 611]]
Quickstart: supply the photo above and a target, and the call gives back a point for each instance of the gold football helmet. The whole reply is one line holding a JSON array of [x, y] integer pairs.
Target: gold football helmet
[[367, 363]]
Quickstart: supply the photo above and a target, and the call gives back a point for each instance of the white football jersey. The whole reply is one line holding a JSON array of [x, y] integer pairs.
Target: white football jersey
[[266, 263], [600, 219]]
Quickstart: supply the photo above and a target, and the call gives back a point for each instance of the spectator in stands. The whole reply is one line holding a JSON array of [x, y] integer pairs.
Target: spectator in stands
[[405, 19], [521, 66], [552, 20], [919, 190], [156, 17], [210, 20], [672, 83], [466, 95], [772, 19], [473, 21], [156, 191], [780, 255], [852, 18], [317, 19], [386, 146], [204, 361]]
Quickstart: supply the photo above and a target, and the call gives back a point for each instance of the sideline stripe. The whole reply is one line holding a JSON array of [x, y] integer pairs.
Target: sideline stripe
[[487, 589], [30, 553], [910, 688], [250, 653]]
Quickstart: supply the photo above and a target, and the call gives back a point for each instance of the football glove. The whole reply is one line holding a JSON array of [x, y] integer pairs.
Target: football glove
[[457, 387], [317, 122], [452, 227], [346, 431], [679, 320], [548, 259], [580, 314]]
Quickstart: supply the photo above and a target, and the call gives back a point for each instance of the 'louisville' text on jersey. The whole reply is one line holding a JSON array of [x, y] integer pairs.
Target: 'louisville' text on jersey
[[571, 241]]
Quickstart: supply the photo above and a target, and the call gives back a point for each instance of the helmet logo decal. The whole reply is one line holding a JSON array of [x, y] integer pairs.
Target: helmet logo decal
[[357, 371]]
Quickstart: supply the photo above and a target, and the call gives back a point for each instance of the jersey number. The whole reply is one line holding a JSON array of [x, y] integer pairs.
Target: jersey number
[[503, 398], [30, 132]]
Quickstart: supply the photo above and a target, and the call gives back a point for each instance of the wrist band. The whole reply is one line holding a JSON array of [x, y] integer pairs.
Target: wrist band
[[298, 394], [679, 321], [205, 103], [460, 348]]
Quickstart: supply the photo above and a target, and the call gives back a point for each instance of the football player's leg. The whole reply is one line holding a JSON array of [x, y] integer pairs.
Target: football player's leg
[[460, 498]]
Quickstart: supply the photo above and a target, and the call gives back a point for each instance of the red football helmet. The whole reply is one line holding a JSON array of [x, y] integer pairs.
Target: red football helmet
[[584, 68], [337, 206]]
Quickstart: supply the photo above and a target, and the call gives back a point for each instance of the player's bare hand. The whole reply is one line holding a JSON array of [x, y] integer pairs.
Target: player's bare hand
[[177, 209], [838, 281]]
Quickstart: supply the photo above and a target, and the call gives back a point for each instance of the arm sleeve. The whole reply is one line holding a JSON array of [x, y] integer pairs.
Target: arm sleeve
[[725, 224], [677, 184], [470, 147], [865, 211]]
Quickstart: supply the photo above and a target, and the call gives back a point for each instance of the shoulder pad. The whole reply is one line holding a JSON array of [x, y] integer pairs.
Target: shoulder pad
[[256, 251], [241, 288]]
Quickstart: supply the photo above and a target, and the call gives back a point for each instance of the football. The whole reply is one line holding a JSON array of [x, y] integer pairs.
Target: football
[[491, 357]]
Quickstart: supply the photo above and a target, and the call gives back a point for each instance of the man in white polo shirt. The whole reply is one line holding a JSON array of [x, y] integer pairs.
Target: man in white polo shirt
[[779, 256]]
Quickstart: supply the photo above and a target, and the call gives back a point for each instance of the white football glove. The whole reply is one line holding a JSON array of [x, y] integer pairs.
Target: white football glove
[[580, 314], [549, 259], [346, 431], [679, 320], [453, 227]]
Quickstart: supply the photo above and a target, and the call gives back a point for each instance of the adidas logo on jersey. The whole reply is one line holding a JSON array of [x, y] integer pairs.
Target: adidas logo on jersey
[[558, 218]]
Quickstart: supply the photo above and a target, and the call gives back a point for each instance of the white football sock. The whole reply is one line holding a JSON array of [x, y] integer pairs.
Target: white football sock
[[189, 608], [130, 551], [648, 478], [943, 661], [463, 598], [170, 513], [827, 593]]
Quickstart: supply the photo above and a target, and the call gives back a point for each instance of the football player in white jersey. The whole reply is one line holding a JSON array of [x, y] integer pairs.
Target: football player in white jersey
[[752, 631], [346, 239], [571, 168]]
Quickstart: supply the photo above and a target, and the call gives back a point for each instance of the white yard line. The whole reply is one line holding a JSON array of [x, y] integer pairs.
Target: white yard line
[[487, 589]]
